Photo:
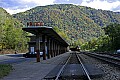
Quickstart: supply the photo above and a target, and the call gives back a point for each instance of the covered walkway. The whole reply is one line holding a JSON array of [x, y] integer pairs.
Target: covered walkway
[[46, 40]]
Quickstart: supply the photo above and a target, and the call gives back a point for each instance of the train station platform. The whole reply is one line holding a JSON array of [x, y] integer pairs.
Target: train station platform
[[44, 40], [32, 70]]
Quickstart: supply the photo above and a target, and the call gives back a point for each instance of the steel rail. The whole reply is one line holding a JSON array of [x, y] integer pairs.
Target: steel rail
[[60, 71], [107, 59], [85, 70]]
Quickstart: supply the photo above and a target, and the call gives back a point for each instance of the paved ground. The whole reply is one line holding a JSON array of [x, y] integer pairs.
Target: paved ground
[[12, 58], [32, 70]]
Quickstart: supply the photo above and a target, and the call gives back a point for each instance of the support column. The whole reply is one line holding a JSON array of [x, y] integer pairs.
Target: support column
[[38, 47], [44, 47], [48, 48], [51, 48], [55, 49], [58, 49], [65, 49], [62, 49]]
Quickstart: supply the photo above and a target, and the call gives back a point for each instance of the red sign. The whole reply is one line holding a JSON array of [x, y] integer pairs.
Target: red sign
[[35, 24]]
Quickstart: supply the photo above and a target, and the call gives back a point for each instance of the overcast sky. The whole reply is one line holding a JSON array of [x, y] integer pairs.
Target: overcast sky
[[15, 6]]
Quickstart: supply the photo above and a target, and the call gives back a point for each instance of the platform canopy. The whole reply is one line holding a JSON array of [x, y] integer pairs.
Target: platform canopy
[[48, 31]]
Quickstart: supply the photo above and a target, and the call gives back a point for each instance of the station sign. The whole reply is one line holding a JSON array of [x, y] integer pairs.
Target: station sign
[[35, 24]]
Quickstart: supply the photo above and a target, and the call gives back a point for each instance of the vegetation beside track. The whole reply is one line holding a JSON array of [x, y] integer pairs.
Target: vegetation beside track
[[5, 70]]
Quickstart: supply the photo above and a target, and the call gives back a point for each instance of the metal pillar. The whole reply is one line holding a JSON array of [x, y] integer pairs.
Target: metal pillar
[[38, 47]]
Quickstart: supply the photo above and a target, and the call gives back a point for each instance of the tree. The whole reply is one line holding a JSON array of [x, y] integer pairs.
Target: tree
[[11, 34], [113, 31], [62, 34]]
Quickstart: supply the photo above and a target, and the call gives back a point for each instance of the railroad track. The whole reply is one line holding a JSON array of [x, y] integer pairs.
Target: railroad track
[[73, 68], [117, 55], [107, 59], [114, 55]]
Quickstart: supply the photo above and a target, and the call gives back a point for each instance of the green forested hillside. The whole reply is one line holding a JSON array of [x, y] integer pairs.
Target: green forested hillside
[[11, 34], [78, 22], [109, 42]]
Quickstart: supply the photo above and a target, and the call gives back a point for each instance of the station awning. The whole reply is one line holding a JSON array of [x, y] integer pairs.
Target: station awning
[[48, 31]]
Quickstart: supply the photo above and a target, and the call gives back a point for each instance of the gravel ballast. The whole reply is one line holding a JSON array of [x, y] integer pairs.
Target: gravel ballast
[[110, 72]]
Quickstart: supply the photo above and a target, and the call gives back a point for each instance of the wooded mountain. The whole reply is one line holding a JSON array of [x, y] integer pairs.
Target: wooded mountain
[[77, 22], [11, 34]]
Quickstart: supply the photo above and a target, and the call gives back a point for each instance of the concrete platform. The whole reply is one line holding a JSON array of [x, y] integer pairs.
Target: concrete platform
[[32, 70]]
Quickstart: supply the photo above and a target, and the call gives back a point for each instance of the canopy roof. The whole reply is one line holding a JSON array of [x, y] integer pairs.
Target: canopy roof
[[48, 31]]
